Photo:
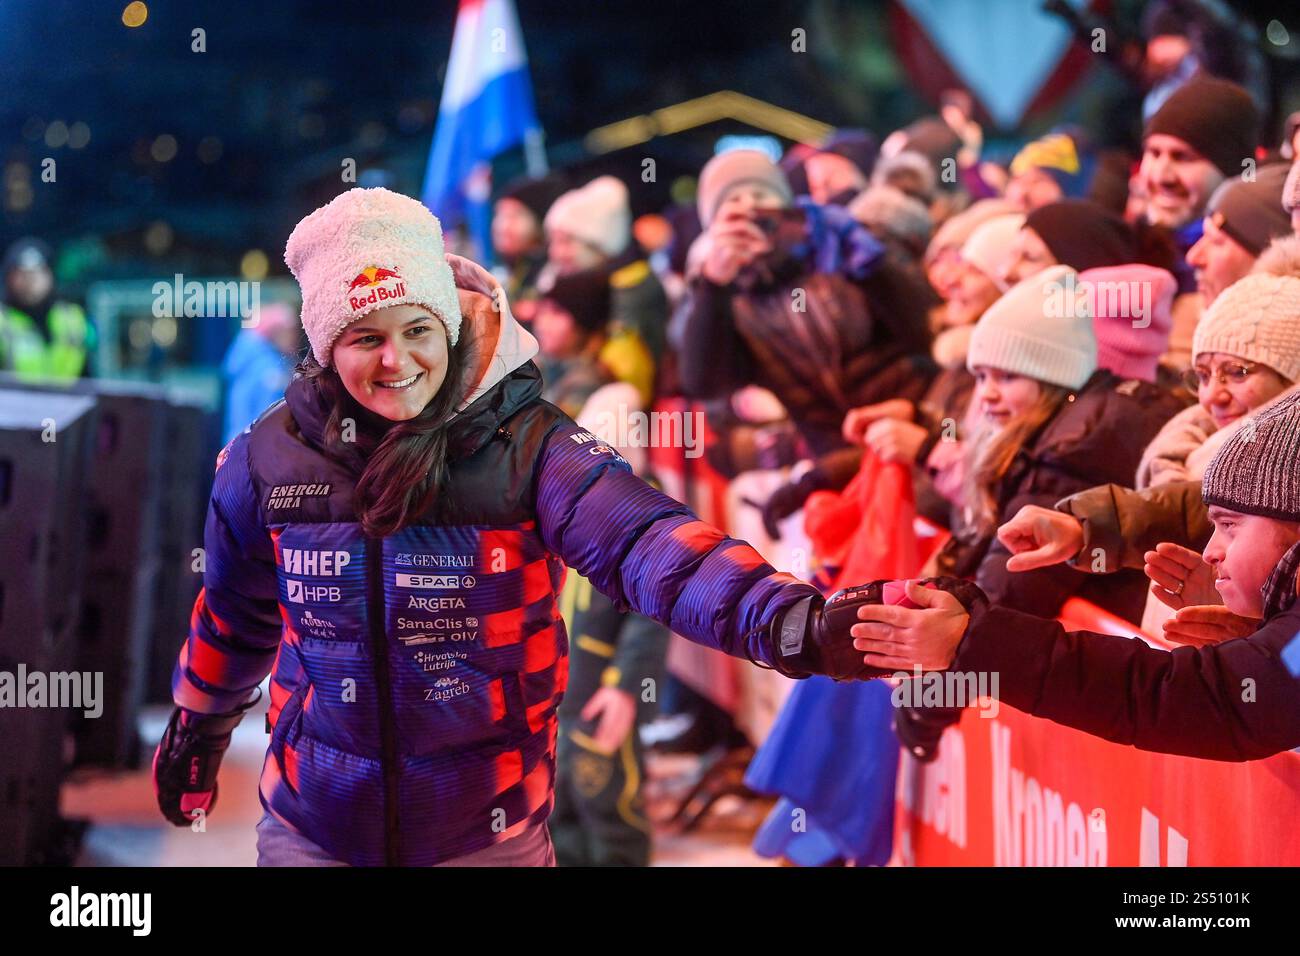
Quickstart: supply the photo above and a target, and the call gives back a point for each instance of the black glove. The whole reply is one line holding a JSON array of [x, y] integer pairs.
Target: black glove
[[812, 636], [919, 729], [789, 498], [187, 759]]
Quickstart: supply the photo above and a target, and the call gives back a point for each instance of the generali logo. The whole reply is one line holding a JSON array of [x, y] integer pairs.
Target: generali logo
[[382, 285]]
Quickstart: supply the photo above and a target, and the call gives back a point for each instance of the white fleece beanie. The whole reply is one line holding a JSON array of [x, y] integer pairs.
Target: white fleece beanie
[[597, 213], [1042, 328], [1257, 318], [364, 250], [989, 247]]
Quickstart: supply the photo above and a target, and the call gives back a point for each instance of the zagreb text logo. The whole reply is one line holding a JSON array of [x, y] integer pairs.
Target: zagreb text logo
[[370, 278]]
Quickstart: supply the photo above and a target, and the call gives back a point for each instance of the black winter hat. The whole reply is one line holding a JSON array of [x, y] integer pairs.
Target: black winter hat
[[1083, 235], [536, 194], [584, 295], [1217, 118]]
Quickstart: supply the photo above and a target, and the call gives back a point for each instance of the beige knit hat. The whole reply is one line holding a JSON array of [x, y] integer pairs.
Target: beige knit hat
[[731, 168], [1257, 318], [1042, 328], [989, 247], [956, 230], [597, 213]]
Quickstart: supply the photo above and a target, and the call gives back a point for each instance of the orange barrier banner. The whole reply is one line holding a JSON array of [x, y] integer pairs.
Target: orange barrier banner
[[1012, 790]]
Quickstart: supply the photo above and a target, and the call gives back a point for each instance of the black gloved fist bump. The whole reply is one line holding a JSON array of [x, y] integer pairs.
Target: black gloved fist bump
[[186, 762], [813, 636]]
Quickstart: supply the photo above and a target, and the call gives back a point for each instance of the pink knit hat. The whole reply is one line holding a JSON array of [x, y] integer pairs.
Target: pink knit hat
[[369, 249], [1132, 315]]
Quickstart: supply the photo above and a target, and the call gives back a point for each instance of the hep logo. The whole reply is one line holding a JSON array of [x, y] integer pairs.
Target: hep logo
[[372, 275]]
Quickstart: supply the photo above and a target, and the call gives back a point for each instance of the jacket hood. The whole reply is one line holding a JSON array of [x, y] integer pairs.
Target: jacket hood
[[499, 344], [500, 354]]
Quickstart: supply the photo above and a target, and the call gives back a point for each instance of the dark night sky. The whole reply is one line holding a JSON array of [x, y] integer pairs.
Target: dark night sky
[[290, 87]]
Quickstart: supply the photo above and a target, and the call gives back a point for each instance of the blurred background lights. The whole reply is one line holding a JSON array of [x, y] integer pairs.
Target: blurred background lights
[[158, 238], [254, 265], [1277, 33], [164, 331], [56, 134], [163, 149], [209, 149], [135, 14]]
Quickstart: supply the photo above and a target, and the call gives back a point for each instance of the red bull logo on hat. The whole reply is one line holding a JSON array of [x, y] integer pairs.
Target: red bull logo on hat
[[371, 278]]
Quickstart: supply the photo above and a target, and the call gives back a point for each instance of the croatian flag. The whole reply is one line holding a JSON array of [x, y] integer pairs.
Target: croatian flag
[[487, 108]]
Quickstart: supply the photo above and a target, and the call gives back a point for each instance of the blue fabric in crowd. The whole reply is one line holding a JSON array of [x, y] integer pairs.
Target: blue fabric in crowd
[[831, 753], [256, 375]]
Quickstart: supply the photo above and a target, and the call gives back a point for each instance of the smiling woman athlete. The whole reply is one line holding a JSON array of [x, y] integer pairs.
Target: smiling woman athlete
[[389, 542]]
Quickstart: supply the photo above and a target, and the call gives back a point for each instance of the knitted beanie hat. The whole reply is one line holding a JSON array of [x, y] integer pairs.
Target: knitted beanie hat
[[887, 211], [731, 168], [1257, 471], [956, 230], [908, 172], [1251, 212], [1083, 235], [989, 247], [369, 249], [1058, 155], [1042, 328], [1132, 315], [536, 193], [1217, 118], [1257, 318], [585, 296], [597, 213], [858, 146]]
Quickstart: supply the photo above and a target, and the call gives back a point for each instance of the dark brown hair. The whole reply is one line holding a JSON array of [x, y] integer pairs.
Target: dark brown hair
[[403, 475]]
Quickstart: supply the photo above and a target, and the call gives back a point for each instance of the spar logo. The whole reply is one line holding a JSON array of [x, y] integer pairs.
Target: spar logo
[[374, 279]]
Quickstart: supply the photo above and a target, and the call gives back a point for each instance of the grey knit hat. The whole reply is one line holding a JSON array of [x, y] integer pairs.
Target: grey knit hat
[[1251, 211], [1257, 471]]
